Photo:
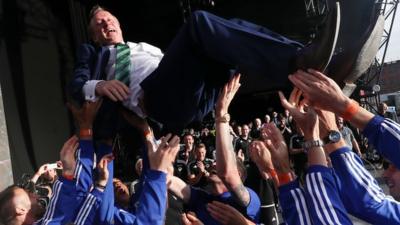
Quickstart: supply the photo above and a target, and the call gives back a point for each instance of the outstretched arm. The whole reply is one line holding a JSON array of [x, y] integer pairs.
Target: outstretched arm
[[227, 168], [361, 193], [322, 92], [321, 191]]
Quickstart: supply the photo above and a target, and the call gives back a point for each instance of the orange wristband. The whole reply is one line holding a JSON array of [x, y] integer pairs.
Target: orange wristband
[[351, 110], [285, 178], [272, 172], [85, 133]]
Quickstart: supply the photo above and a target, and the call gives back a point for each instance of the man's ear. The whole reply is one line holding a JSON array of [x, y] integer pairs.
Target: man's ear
[[20, 210]]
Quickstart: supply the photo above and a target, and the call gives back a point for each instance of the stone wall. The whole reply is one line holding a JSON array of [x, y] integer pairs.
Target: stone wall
[[6, 175]]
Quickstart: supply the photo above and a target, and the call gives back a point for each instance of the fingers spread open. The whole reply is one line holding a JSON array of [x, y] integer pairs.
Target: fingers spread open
[[319, 75]]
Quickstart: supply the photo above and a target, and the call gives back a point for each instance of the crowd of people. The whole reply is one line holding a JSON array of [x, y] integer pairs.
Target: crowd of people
[[300, 166]]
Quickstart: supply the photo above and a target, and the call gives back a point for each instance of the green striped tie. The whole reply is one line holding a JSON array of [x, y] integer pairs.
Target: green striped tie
[[123, 63]]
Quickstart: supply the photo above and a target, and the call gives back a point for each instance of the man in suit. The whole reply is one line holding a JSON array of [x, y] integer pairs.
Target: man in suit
[[182, 85]]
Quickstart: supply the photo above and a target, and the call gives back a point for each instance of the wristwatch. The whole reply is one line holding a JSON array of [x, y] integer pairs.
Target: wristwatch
[[333, 137], [311, 144], [223, 119]]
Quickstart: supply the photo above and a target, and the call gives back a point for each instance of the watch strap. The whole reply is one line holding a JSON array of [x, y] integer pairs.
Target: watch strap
[[307, 145]]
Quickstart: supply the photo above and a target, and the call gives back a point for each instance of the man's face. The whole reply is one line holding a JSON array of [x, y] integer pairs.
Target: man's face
[[339, 122], [245, 130], [392, 179], [188, 141], [382, 108], [121, 192], [257, 122], [105, 29], [201, 154], [50, 175], [286, 112]]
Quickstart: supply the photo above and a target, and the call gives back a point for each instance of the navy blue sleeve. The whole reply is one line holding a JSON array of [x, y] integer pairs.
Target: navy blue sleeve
[[294, 205], [152, 202], [384, 135], [153, 199], [361, 193], [88, 210], [82, 71], [84, 166], [63, 203], [322, 196]]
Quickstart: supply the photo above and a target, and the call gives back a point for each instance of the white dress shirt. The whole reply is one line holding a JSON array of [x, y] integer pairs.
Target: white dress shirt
[[144, 60]]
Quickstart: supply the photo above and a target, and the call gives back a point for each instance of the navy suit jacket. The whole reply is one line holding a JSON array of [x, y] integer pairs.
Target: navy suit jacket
[[90, 65]]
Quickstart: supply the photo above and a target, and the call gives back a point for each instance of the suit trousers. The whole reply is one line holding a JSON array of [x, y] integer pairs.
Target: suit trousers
[[186, 84]]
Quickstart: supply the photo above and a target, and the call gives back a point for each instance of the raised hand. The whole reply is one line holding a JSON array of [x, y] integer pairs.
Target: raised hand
[[226, 96], [103, 170], [278, 148], [85, 115], [163, 155], [67, 155], [240, 155], [320, 91], [190, 219], [305, 119], [113, 89], [260, 155], [226, 214]]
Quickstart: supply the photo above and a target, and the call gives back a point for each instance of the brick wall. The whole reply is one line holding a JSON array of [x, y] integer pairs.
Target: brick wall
[[390, 77]]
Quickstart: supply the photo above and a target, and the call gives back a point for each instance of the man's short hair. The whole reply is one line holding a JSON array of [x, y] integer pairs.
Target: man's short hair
[[7, 212], [95, 9], [201, 145]]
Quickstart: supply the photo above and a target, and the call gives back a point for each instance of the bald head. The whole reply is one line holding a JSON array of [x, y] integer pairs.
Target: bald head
[[17, 206]]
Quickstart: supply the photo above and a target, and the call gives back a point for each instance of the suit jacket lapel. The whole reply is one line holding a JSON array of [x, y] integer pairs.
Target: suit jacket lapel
[[103, 55]]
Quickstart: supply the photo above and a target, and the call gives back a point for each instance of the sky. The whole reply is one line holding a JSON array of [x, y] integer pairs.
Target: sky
[[393, 51]]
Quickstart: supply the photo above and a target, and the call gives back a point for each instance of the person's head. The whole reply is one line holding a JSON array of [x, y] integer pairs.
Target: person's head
[[104, 28], [201, 152], [188, 140], [274, 114], [50, 175], [267, 119], [286, 113], [282, 120], [205, 131], [392, 179], [18, 206], [257, 123], [139, 166], [339, 122], [382, 108], [238, 130], [121, 192], [245, 130], [214, 182]]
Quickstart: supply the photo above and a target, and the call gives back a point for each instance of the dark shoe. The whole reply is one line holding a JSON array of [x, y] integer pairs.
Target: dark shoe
[[359, 40], [318, 54]]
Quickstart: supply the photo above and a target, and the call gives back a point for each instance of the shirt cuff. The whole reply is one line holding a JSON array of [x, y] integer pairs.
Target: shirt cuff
[[89, 90], [289, 186], [372, 125]]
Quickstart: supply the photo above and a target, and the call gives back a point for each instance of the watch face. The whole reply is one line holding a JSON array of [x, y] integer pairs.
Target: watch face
[[334, 136]]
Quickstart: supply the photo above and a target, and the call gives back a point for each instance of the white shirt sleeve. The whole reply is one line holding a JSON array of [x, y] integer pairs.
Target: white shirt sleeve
[[89, 90]]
